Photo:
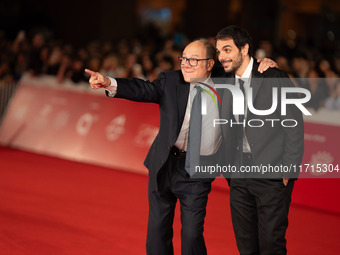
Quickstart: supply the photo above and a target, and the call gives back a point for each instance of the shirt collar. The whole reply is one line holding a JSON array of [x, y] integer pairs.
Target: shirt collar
[[247, 73], [208, 81]]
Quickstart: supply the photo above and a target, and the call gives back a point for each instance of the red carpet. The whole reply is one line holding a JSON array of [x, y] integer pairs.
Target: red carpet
[[52, 206]]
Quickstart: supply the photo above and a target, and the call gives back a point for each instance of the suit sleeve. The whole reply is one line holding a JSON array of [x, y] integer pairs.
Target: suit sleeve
[[140, 90], [294, 140]]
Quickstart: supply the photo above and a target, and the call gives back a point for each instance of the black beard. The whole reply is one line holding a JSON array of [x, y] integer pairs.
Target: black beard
[[236, 64]]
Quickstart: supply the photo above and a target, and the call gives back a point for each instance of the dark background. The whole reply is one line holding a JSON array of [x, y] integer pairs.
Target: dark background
[[314, 23]]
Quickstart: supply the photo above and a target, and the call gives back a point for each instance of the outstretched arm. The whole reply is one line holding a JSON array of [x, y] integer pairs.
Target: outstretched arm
[[132, 89]]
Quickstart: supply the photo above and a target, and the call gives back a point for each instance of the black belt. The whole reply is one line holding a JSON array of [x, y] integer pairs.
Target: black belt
[[177, 152]]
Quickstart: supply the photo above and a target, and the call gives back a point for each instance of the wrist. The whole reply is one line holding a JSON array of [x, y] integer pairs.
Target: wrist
[[107, 82]]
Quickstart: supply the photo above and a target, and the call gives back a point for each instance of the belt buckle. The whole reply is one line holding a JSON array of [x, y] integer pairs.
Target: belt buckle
[[178, 153]]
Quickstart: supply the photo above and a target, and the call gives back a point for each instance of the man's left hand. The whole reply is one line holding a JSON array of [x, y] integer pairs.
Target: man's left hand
[[285, 181], [265, 64]]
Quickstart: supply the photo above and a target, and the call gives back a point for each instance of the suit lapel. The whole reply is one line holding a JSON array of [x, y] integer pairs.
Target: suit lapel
[[256, 80], [183, 89], [220, 93], [225, 111], [255, 84]]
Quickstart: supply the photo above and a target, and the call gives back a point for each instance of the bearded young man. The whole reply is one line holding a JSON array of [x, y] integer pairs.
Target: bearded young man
[[259, 206]]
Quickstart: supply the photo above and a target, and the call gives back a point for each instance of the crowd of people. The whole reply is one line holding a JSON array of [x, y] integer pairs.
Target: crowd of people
[[123, 59], [37, 54]]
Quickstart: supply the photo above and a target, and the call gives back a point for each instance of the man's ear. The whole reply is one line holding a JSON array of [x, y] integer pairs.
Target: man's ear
[[210, 64], [245, 49]]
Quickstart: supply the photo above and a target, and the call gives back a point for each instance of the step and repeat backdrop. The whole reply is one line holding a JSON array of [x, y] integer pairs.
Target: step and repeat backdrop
[[76, 123]]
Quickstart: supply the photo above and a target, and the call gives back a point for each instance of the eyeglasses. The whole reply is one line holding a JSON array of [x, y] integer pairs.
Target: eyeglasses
[[192, 61]]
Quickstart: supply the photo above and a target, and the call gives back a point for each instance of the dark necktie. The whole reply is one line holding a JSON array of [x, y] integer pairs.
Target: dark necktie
[[192, 158]]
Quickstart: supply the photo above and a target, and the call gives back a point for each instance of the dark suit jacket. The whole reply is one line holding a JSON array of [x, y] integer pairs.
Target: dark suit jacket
[[171, 92], [274, 145]]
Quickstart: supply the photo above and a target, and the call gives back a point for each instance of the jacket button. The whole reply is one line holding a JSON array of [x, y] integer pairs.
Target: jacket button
[[169, 148], [163, 161]]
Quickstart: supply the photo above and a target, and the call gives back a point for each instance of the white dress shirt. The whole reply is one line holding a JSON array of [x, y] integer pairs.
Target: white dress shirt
[[211, 136], [246, 77]]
